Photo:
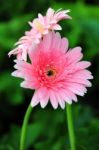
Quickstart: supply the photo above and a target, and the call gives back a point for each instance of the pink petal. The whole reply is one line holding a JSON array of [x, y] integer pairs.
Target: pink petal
[[17, 73], [60, 101], [41, 18], [35, 99], [85, 82], [14, 51], [83, 74], [70, 95], [56, 41], [77, 89], [82, 65], [64, 96], [49, 14], [42, 92], [64, 44], [22, 64], [47, 39], [24, 54], [28, 84], [56, 27], [44, 101], [53, 99], [74, 55]]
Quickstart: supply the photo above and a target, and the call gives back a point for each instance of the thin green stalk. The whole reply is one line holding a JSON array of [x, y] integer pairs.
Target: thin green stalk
[[70, 127], [24, 128]]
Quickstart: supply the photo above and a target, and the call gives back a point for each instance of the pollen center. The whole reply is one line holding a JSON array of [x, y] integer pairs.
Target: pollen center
[[50, 72], [39, 26]]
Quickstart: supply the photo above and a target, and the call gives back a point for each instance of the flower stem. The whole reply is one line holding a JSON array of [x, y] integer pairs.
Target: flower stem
[[70, 126], [24, 128]]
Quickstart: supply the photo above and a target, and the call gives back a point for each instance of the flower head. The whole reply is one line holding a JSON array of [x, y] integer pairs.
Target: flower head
[[44, 24], [56, 73], [40, 26], [25, 44]]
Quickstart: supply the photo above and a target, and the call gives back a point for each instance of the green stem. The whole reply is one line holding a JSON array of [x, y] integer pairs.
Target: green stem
[[24, 128], [70, 127]]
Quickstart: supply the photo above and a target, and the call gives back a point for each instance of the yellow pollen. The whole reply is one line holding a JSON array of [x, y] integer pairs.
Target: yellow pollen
[[39, 26]]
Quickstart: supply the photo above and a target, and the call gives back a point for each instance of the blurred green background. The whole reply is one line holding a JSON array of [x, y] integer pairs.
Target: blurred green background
[[47, 128]]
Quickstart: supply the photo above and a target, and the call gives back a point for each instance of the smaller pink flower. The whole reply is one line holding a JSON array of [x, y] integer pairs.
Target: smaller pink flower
[[49, 22], [56, 73], [40, 26], [25, 44]]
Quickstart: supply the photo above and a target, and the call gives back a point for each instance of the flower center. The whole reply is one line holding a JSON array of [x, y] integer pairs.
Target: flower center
[[38, 25], [50, 72]]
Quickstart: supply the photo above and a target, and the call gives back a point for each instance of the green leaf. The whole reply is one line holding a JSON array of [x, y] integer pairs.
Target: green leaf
[[13, 138], [11, 31], [11, 86]]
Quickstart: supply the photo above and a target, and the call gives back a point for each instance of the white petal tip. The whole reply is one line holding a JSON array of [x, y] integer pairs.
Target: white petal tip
[[69, 102], [55, 107], [22, 85], [43, 104], [33, 103], [13, 74]]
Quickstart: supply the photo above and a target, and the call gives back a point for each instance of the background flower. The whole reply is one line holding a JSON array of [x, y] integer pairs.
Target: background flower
[[55, 72], [40, 26], [44, 24]]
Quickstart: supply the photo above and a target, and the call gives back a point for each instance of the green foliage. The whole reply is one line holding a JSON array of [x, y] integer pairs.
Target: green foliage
[[11, 85], [12, 30], [13, 138], [48, 129]]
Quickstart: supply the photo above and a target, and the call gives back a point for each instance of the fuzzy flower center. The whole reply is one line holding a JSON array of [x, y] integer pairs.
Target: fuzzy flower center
[[38, 25], [47, 75], [51, 72], [49, 66]]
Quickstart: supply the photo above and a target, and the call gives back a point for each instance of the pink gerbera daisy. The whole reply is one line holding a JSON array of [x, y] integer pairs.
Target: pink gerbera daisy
[[56, 73], [40, 26], [44, 24]]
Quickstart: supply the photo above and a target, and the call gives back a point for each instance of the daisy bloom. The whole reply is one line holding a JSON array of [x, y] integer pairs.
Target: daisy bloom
[[40, 26], [44, 24], [26, 43], [56, 73]]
